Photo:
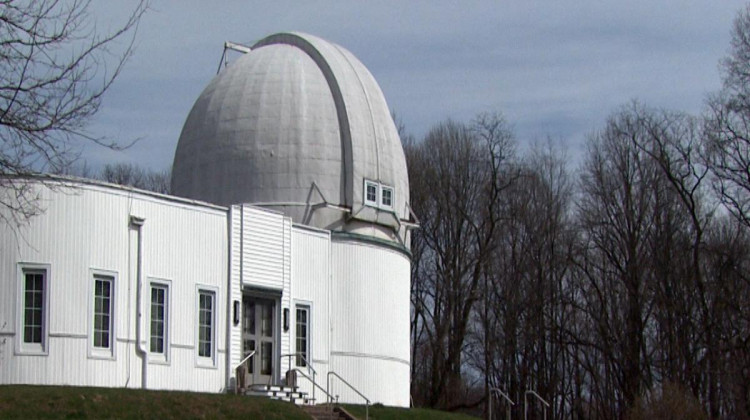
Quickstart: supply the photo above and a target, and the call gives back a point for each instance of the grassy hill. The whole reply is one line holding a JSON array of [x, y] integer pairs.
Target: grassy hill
[[61, 402], [379, 412], [52, 402]]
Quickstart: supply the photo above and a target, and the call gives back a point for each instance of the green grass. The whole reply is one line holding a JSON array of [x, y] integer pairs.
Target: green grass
[[52, 402], [379, 412], [66, 402]]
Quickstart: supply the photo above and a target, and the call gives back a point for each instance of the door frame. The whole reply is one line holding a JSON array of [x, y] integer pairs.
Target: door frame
[[274, 296]]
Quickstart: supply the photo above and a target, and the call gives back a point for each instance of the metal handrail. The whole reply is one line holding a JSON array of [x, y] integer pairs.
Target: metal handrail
[[315, 384], [251, 354], [302, 355], [367, 400], [525, 404], [307, 363], [504, 395]]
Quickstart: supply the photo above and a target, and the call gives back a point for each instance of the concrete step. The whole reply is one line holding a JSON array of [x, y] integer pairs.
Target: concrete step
[[291, 394], [263, 387], [278, 392], [282, 393]]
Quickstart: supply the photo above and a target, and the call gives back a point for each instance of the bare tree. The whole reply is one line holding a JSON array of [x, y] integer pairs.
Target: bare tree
[[619, 187], [457, 175], [515, 339], [674, 143], [54, 70], [133, 176], [728, 124]]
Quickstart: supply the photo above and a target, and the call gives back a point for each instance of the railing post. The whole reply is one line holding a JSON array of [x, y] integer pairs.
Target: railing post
[[489, 407], [236, 370], [538, 397], [367, 400], [505, 396], [525, 406]]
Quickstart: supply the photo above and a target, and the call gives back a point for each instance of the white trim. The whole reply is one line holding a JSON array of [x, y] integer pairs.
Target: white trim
[[201, 361], [379, 188], [369, 356], [67, 181], [365, 200], [108, 353], [161, 358], [306, 304], [35, 349], [383, 188]]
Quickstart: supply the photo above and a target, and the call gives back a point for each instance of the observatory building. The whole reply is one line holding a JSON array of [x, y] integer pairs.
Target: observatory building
[[282, 258]]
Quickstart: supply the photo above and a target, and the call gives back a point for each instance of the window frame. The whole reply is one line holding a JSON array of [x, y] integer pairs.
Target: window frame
[[384, 188], [308, 306], [22, 347], [107, 353], [206, 361], [368, 202], [164, 357], [379, 189]]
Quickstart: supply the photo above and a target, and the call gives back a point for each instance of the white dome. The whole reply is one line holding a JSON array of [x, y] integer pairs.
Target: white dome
[[294, 112]]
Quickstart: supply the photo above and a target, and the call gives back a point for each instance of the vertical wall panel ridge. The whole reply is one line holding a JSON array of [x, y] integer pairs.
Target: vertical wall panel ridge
[[87, 228]]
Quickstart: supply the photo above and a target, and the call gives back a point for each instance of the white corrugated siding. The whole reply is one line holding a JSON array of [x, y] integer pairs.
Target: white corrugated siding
[[234, 291], [263, 248], [286, 294], [370, 322], [266, 242], [311, 281], [87, 228]]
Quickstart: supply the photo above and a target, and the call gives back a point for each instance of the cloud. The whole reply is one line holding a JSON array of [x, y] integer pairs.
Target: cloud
[[554, 68]]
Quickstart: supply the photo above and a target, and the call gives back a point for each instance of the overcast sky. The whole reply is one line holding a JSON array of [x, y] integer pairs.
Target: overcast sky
[[552, 68]]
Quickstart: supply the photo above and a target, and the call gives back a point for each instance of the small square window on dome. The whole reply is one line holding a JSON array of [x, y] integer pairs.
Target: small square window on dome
[[386, 197], [371, 193]]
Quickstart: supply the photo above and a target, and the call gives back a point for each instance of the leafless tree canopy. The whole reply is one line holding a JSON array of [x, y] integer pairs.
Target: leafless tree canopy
[[54, 69], [134, 176], [728, 125], [616, 291], [620, 290]]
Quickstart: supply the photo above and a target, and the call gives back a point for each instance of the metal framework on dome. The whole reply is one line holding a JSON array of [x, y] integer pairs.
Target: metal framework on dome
[[244, 49]]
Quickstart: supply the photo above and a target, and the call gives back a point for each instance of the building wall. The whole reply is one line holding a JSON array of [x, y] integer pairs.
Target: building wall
[[261, 245], [87, 228], [234, 295], [370, 321], [357, 291], [311, 281]]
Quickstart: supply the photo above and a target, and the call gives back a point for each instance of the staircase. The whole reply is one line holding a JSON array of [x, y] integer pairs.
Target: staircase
[[294, 396], [278, 392], [327, 412]]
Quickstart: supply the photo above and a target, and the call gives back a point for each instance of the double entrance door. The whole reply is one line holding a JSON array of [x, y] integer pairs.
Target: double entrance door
[[258, 333]]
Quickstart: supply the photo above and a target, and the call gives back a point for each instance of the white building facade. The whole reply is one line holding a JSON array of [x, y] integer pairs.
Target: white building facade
[[291, 245]]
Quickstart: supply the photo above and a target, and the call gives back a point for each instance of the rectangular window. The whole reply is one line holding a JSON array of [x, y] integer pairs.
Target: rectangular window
[[266, 353], [103, 312], [386, 197], [33, 306], [302, 335], [158, 330], [205, 324], [33, 316], [371, 193]]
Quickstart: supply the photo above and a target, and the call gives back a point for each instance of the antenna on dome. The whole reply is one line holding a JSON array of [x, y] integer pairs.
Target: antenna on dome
[[231, 46]]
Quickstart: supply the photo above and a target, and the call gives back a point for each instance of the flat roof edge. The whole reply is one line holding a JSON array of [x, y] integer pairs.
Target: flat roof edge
[[62, 179]]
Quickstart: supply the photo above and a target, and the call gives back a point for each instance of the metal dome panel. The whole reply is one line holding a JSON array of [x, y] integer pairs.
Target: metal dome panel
[[297, 124]]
